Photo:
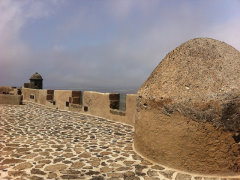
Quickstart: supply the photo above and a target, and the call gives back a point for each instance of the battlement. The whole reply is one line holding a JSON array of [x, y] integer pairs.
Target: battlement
[[106, 105]]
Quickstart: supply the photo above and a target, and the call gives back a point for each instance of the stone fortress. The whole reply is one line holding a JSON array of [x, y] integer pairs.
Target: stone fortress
[[185, 117]]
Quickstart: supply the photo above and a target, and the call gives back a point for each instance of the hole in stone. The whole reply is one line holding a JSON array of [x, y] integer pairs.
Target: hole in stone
[[114, 100], [67, 104], [85, 108], [19, 92], [236, 137]]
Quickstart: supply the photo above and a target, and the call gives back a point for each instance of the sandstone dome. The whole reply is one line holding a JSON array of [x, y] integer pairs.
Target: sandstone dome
[[188, 110], [197, 78]]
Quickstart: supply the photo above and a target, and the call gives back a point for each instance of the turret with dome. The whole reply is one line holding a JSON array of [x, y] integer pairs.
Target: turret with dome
[[36, 81]]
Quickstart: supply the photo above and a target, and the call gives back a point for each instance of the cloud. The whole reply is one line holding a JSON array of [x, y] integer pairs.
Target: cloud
[[112, 44], [120, 9], [15, 53]]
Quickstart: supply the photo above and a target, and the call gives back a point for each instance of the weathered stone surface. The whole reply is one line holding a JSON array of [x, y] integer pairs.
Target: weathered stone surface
[[183, 177], [200, 78], [188, 110], [36, 178], [45, 161], [168, 174], [37, 171], [78, 150], [12, 161], [56, 167], [158, 167], [22, 166], [115, 175], [152, 173], [106, 169], [52, 175], [77, 165], [16, 173], [70, 177], [85, 155]]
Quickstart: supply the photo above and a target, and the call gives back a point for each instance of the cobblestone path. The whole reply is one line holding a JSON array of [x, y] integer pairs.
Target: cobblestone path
[[38, 143]]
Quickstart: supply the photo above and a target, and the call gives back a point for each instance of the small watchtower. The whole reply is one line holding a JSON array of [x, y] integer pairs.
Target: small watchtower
[[36, 81]]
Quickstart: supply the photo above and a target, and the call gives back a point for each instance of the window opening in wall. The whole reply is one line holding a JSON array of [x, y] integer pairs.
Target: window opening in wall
[[85, 108], [114, 100], [19, 92], [31, 96], [67, 104], [54, 102]]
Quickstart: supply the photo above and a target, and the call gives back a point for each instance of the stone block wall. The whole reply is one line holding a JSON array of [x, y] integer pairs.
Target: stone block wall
[[104, 105], [61, 98], [6, 89], [10, 99]]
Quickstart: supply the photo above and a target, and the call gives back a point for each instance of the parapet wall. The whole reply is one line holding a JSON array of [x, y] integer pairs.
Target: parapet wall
[[7, 90], [10, 99], [104, 105]]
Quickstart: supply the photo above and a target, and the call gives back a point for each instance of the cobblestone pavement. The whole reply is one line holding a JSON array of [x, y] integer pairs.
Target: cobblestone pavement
[[38, 143]]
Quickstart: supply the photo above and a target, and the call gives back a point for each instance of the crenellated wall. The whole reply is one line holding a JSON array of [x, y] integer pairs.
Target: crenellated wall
[[104, 105], [61, 97]]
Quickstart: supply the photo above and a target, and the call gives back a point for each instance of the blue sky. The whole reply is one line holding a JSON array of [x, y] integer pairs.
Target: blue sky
[[104, 44]]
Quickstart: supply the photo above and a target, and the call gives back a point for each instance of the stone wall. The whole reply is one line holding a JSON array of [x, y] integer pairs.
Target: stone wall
[[99, 104], [10, 99], [31, 95], [61, 98], [6, 89], [90, 102]]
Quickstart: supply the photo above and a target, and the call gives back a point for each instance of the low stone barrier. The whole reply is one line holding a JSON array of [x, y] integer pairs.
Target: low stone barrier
[[10, 99], [104, 105]]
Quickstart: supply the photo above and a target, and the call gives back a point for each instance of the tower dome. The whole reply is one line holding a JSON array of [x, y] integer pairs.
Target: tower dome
[[36, 81], [36, 76]]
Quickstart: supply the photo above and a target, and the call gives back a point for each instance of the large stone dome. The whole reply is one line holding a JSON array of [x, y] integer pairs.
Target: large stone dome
[[188, 111], [196, 79]]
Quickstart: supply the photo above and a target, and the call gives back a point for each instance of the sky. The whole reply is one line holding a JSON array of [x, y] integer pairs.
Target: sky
[[104, 45]]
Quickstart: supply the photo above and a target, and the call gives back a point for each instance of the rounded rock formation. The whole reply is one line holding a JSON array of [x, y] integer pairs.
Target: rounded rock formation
[[188, 111]]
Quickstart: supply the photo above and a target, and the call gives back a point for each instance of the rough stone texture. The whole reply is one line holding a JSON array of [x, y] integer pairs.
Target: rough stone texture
[[188, 111], [43, 143], [10, 99], [22, 166], [6, 89]]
